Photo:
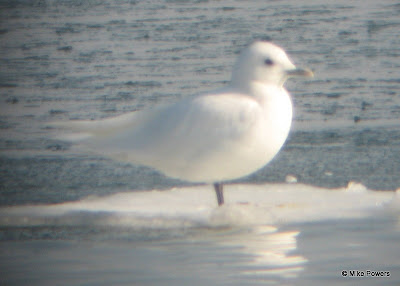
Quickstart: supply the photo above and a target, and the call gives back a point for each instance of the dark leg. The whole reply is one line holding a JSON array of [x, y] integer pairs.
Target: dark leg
[[220, 193]]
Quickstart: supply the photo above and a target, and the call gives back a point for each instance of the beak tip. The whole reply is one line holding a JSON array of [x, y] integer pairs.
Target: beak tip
[[309, 73], [300, 72]]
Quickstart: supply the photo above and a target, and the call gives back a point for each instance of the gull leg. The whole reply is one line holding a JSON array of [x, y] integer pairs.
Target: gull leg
[[218, 187]]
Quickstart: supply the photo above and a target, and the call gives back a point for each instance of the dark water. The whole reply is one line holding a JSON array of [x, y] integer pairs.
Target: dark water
[[62, 60]]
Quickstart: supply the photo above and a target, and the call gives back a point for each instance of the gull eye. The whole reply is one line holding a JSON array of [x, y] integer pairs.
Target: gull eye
[[269, 62]]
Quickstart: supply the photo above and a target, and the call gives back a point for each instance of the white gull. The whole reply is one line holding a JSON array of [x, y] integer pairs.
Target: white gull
[[213, 137]]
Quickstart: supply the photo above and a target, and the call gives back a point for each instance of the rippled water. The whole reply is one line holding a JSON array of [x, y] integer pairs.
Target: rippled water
[[62, 60]]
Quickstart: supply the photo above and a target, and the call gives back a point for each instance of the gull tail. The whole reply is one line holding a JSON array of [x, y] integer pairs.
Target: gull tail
[[80, 130]]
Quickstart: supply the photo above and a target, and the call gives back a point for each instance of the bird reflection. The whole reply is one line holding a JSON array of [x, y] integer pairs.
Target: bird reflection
[[269, 252]]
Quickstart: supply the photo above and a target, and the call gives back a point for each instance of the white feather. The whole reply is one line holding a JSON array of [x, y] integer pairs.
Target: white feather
[[212, 137]]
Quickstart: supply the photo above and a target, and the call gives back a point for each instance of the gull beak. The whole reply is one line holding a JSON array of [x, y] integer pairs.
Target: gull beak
[[299, 72]]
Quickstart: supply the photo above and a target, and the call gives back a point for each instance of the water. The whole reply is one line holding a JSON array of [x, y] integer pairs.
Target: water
[[64, 60]]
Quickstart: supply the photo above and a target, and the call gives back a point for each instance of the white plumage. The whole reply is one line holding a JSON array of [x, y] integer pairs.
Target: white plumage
[[212, 137]]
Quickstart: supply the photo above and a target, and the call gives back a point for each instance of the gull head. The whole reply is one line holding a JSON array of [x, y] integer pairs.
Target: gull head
[[265, 63]]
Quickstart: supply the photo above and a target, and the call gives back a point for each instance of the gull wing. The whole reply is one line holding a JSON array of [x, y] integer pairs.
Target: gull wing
[[169, 138]]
